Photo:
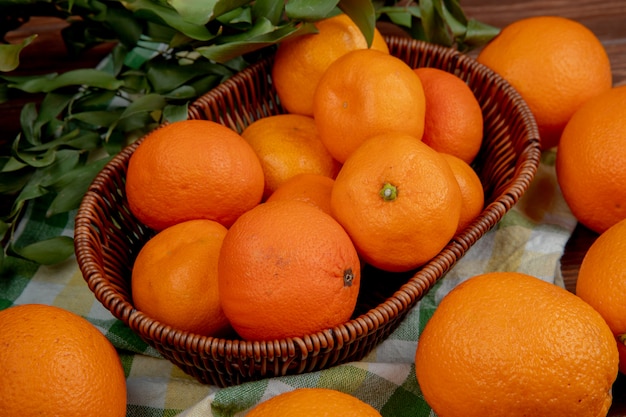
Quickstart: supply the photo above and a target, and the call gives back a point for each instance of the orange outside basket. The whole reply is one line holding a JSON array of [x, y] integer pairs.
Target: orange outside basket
[[108, 237]]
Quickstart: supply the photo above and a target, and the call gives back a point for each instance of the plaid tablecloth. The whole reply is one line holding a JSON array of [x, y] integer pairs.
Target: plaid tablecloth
[[530, 239]]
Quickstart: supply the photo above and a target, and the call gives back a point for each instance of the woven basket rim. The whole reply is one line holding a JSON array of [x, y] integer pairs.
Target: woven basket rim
[[409, 292]]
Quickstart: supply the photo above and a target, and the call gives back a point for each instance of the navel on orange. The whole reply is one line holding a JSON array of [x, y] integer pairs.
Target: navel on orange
[[509, 344], [287, 269], [174, 278], [366, 93], [193, 169], [56, 363], [398, 200], [299, 63]]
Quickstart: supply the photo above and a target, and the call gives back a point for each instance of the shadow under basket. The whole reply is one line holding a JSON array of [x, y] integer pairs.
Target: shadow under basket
[[108, 237]]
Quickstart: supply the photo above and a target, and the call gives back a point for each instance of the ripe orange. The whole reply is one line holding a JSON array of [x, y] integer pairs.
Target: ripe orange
[[287, 269], [174, 278], [55, 363], [193, 169], [311, 188], [288, 145], [472, 192], [366, 93], [602, 281], [454, 119], [313, 402], [591, 161], [509, 344], [555, 63], [398, 200], [299, 63]]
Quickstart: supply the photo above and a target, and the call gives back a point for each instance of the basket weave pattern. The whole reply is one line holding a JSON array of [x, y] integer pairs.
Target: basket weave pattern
[[108, 237]]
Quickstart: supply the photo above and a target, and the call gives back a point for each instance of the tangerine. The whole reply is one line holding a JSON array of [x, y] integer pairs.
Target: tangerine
[[472, 192], [601, 281], [313, 402], [56, 363], [591, 161], [310, 188], [454, 118], [288, 145], [555, 63], [192, 169], [174, 278], [280, 263], [300, 62], [507, 343], [399, 201], [367, 93]]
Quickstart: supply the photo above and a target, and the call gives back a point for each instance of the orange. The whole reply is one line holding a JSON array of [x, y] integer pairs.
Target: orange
[[472, 192], [509, 344], [287, 269], [555, 63], [398, 200], [591, 161], [454, 119], [288, 145], [313, 402], [366, 93], [193, 169], [174, 278], [55, 363], [602, 281], [299, 63], [311, 188]]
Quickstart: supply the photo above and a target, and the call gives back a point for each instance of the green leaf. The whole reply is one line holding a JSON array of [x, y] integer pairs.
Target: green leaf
[[310, 10], [226, 52], [200, 12], [10, 54], [479, 33], [46, 252], [164, 14], [363, 14], [172, 113], [85, 76], [72, 186], [270, 9]]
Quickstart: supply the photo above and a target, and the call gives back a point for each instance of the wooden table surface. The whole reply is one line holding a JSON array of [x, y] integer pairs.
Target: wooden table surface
[[606, 18]]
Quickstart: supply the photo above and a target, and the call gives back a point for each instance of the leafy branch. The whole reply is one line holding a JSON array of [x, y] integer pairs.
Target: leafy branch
[[165, 54]]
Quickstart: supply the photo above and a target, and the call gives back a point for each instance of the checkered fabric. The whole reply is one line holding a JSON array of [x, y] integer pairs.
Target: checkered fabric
[[529, 239]]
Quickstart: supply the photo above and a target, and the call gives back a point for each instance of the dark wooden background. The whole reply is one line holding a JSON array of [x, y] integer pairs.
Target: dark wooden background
[[606, 18]]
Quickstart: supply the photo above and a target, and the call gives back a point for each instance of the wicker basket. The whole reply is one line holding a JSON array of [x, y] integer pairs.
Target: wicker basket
[[108, 237]]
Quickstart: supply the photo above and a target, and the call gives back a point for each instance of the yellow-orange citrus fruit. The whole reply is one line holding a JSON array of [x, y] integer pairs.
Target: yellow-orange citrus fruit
[[591, 161], [472, 192], [454, 119], [288, 145], [555, 63], [193, 169], [300, 62], [55, 363], [174, 278], [510, 344], [311, 188], [366, 93], [287, 269], [399, 201], [313, 402], [601, 281]]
